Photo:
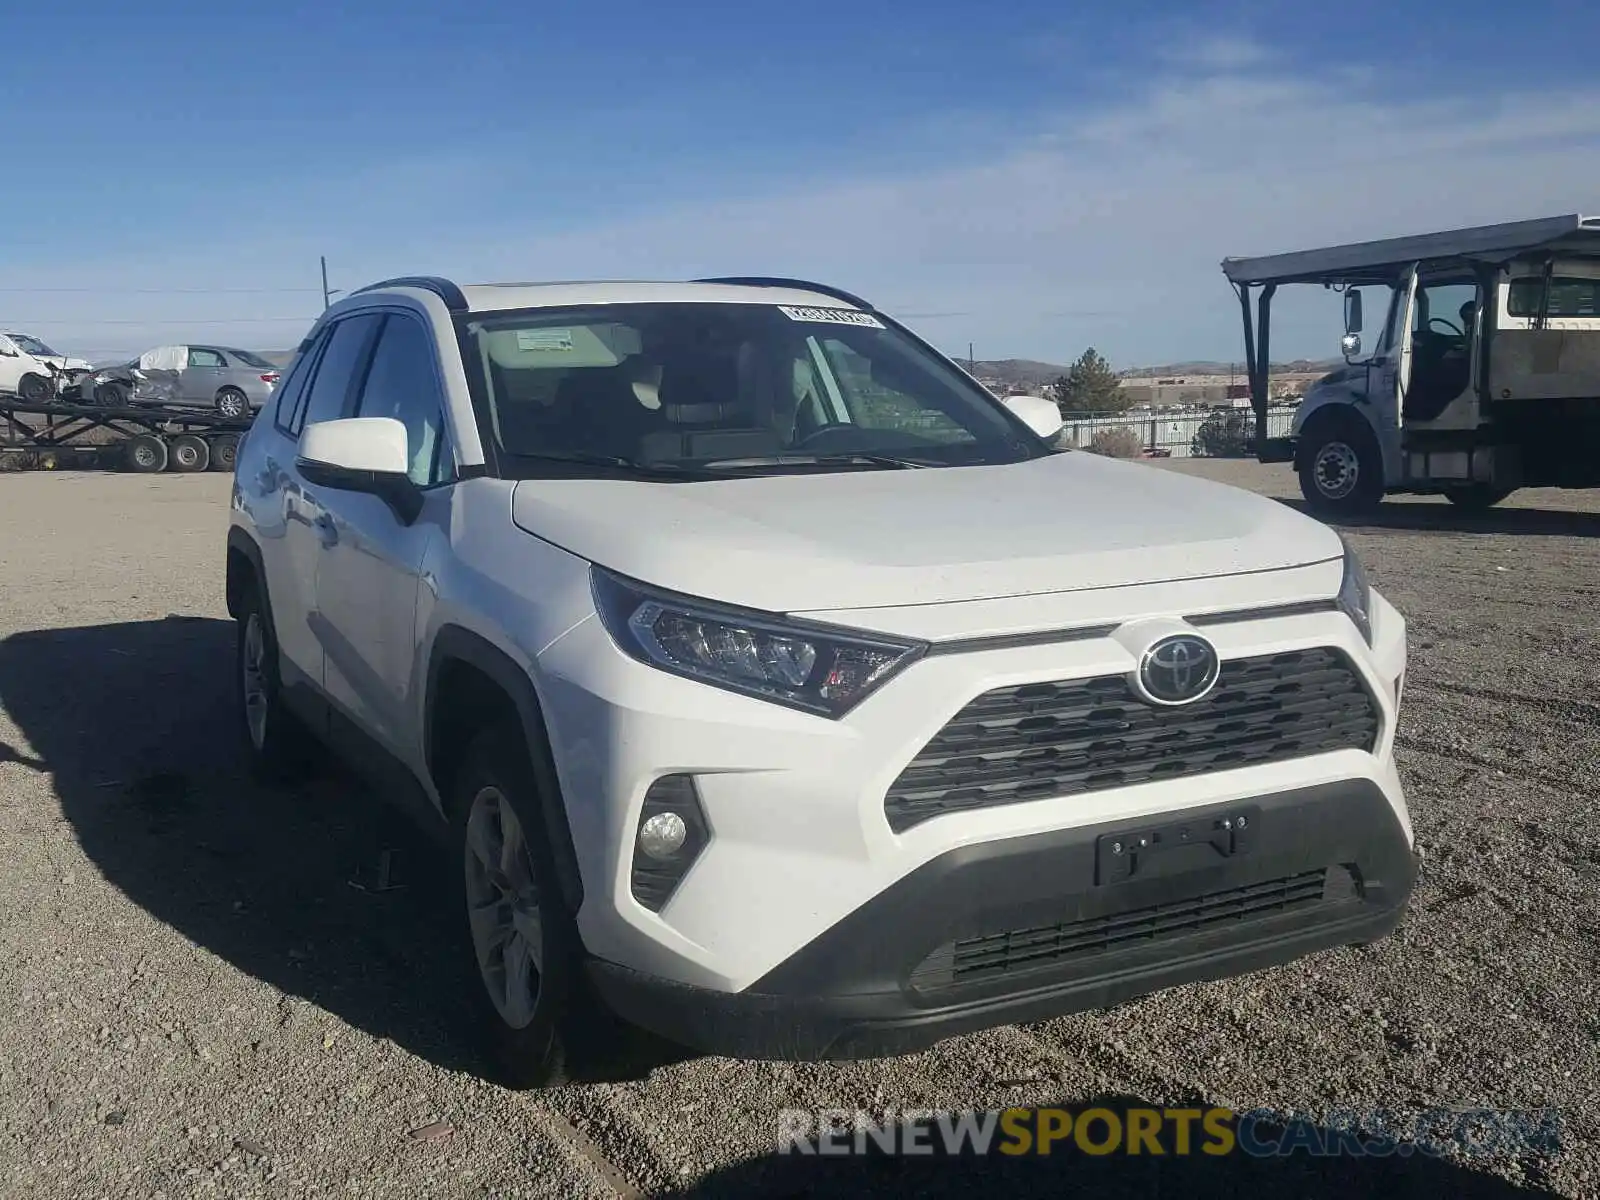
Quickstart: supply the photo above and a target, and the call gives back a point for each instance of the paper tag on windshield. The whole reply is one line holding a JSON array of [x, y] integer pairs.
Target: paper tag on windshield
[[544, 339], [831, 316]]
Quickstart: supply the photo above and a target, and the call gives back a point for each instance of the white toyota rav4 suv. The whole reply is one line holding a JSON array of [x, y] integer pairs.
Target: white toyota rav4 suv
[[780, 690]]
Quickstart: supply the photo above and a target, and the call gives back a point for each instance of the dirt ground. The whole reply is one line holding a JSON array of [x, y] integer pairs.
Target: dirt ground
[[207, 993]]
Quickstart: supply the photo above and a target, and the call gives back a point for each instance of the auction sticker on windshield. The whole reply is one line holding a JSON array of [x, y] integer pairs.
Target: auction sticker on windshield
[[544, 339], [832, 316]]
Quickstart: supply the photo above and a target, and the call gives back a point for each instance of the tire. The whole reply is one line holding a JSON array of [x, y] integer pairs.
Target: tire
[[1340, 466], [232, 403], [35, 389], [146, 454], [1476, 497], [224, 452], [532, 1041], [189, 453], [112, 395], [279, 748]]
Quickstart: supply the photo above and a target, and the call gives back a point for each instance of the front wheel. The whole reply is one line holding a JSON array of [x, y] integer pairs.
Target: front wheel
[[524, 943], [278, 745], [35, 389], [1341, 466]]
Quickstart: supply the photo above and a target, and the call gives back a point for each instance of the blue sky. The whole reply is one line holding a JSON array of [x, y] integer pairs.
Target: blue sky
[[1030, 179]]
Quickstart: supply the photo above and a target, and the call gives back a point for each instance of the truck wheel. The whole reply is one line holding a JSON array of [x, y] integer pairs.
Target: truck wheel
[[224, 452], [232, 403], [1341, 466], [190, 453], [524, 943], [1476, 497], [35, 389], [280, 748], [146, 454]]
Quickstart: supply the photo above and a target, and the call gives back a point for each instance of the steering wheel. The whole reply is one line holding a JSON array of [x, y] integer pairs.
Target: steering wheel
[[821, 432], [1454, 330]]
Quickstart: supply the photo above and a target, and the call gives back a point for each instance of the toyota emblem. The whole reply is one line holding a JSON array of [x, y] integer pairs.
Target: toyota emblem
[[1179, 669]]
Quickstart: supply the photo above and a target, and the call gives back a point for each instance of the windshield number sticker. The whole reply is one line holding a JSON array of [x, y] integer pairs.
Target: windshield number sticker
[[831, 316], [544, 339]]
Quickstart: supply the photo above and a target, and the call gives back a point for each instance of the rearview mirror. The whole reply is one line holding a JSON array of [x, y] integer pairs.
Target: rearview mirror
[[361, 454], [1352, 311], [8, 352], [1037, 413]]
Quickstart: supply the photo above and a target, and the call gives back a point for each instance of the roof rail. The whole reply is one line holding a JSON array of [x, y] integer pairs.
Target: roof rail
[[452, 295], [797, 284]]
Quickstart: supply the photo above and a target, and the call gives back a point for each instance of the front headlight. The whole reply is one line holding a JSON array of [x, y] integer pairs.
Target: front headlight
[[811, 667], [1355, 593]]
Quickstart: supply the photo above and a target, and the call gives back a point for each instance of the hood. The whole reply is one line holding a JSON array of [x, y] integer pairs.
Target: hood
[[874, 538]]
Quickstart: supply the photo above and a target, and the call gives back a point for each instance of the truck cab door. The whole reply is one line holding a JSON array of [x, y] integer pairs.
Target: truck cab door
[[1394, 392]]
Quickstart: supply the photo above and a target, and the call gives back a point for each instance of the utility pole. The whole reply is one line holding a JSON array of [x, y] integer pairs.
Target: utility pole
[[324, 258], [972, 363]]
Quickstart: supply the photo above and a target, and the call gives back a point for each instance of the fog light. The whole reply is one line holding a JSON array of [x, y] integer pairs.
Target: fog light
[[663, 835], [671, 833]]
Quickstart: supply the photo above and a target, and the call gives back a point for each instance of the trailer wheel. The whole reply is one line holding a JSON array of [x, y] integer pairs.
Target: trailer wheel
[[224, 451], [35, 389], [1340, 465], [190, 453], [147, 454], [232, 403]]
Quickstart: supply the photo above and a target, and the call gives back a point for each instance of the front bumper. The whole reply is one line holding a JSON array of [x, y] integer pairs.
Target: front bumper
[[1033, 928], [799, 841]]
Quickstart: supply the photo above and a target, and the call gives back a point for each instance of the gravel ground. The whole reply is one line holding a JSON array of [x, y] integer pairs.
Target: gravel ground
[[206, 991]]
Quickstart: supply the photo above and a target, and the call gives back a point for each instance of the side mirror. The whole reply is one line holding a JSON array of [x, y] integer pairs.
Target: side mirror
[[1037, 413], [1352, 311], [1350, 345], [361, 454], [8, 352]]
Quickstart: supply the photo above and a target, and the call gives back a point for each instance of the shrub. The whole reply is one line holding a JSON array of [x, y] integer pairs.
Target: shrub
[[1222, 435], [1116, 442]]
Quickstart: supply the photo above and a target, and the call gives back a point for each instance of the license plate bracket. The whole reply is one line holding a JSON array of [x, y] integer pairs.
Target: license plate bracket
[[1182, 844]]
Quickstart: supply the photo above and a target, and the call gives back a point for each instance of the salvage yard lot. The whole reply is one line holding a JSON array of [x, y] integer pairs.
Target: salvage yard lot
[[206, 992]]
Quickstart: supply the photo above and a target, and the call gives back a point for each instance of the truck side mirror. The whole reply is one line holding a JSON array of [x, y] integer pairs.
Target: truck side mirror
[[1350, 345], [1352, 311]]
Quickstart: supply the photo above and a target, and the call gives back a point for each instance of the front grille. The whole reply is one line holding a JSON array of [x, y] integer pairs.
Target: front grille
[[1014, 950], [1041, 740]]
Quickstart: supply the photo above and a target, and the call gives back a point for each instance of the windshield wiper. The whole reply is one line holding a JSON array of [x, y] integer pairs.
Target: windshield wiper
[[813, 460], [583, 459]]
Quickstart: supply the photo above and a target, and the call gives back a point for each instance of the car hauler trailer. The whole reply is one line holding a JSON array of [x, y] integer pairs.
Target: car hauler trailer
[[1483, 377], [146, 439]]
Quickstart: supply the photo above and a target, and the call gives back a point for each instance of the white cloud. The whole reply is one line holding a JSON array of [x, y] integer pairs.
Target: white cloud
[[1103, 226]]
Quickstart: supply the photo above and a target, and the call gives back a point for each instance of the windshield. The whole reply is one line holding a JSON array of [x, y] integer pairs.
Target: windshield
[[703, 388], [251, 360], [32, 345]]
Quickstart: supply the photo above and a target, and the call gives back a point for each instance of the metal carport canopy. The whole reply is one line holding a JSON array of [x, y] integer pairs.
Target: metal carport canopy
[[1376, 262]]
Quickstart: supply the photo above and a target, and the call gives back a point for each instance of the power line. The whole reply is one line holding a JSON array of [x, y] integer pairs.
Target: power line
[[76, 322], [113, 291]]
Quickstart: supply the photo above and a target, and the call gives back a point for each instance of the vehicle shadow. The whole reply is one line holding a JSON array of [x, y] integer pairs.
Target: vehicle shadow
[[1067, 1171], [135, 724], [1446, 518]]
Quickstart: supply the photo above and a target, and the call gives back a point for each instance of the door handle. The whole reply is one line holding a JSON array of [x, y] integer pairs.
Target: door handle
[[327, 531]]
